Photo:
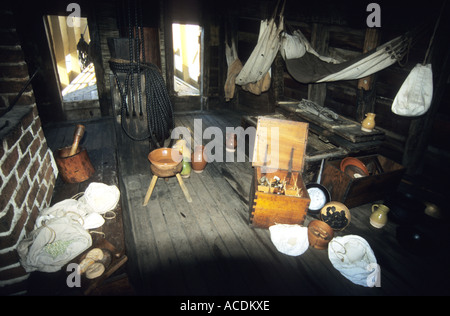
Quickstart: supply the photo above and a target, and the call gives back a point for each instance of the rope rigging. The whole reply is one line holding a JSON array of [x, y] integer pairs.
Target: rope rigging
[[158, 107]]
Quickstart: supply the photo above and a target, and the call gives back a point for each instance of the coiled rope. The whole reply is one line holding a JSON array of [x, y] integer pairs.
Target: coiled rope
[[158, 105]]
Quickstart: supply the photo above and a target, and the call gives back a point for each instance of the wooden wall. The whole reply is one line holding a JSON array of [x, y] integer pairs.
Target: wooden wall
[[340, 28]]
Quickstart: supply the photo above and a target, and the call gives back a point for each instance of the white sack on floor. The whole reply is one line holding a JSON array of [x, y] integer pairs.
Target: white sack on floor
[[352, 256], [101, 198], [52, 245], [98, 199], [291, 240], [415, 94]]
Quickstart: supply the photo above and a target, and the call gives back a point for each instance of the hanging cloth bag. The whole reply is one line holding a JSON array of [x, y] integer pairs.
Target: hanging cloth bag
[[415, 94]]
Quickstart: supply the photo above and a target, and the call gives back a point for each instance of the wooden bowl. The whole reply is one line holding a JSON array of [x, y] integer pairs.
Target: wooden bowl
[[347, 162], [165, 158], [333, 214], [319, 234]]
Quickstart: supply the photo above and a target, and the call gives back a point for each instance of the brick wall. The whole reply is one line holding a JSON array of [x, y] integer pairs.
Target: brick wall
[[27, 170]]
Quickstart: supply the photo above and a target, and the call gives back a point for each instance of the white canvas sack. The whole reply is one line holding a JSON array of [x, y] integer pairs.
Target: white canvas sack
[[52, 245], [414, 96], [100, 198], [291, 240], [352, 256]]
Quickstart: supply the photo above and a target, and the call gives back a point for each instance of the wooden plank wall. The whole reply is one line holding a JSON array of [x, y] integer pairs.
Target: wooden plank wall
[[345, 27]]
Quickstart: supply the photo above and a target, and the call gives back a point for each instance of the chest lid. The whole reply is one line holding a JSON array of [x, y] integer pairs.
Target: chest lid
[[280, 144]]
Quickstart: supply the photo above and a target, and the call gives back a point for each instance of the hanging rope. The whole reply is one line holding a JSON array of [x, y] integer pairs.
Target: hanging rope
[[158, 105], [425, 60]]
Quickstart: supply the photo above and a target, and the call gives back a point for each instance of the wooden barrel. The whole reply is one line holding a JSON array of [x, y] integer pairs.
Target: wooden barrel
[[76, 168]]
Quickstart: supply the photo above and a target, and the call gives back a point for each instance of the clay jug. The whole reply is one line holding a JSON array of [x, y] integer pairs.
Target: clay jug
[[379, 216], [368, 124], [198, 159]]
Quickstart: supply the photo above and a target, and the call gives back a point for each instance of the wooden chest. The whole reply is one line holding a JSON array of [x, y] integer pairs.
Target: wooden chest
[[278, 194], [357, 191]]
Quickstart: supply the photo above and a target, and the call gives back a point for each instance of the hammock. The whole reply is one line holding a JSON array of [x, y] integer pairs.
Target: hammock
[[262, 56], [303, 63], [311, 67]]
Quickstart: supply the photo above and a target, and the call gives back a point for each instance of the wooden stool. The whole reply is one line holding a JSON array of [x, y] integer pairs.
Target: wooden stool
[[165, 174]]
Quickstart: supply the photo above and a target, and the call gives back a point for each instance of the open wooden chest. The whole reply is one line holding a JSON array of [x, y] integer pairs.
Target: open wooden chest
[[382, 180], [278, 194]]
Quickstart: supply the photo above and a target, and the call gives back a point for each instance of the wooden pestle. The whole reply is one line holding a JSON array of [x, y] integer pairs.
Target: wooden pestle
[[77, 136]]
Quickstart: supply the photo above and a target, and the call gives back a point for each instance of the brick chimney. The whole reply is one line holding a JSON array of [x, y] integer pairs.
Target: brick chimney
[[27, 171]]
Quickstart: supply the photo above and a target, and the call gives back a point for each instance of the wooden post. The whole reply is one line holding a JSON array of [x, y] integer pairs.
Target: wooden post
[[365, 94], [319, 40]]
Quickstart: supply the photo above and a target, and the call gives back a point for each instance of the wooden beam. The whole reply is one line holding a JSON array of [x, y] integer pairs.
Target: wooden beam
[[371, 41], [365, 96], [319, 40]]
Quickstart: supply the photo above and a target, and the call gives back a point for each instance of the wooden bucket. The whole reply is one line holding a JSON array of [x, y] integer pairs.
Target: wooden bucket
[[76, 168]]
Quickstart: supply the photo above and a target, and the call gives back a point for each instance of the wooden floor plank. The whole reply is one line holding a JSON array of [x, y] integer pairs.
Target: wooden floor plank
[[216, 236], [209, 246]]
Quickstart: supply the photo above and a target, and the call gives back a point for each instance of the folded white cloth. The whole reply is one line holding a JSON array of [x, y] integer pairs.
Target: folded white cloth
[[291, 240]]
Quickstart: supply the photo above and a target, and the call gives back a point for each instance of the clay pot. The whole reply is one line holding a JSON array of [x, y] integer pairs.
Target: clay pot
[[198, 159], [352, 166]]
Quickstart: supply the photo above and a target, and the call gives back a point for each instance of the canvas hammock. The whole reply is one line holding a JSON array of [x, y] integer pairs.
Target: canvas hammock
[[254, 75], [305, 65], [262, 56]]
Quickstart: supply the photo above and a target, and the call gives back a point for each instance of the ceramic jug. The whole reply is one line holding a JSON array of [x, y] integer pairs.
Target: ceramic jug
[[198, 159], [379, 216], [368, 124]]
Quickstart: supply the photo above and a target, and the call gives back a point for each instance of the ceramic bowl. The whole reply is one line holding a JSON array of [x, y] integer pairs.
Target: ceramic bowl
[[165, 158], [327, 214], [351, 165]]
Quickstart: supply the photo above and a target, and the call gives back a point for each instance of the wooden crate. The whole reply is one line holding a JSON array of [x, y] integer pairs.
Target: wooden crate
[[357, 191], [279, 151]]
